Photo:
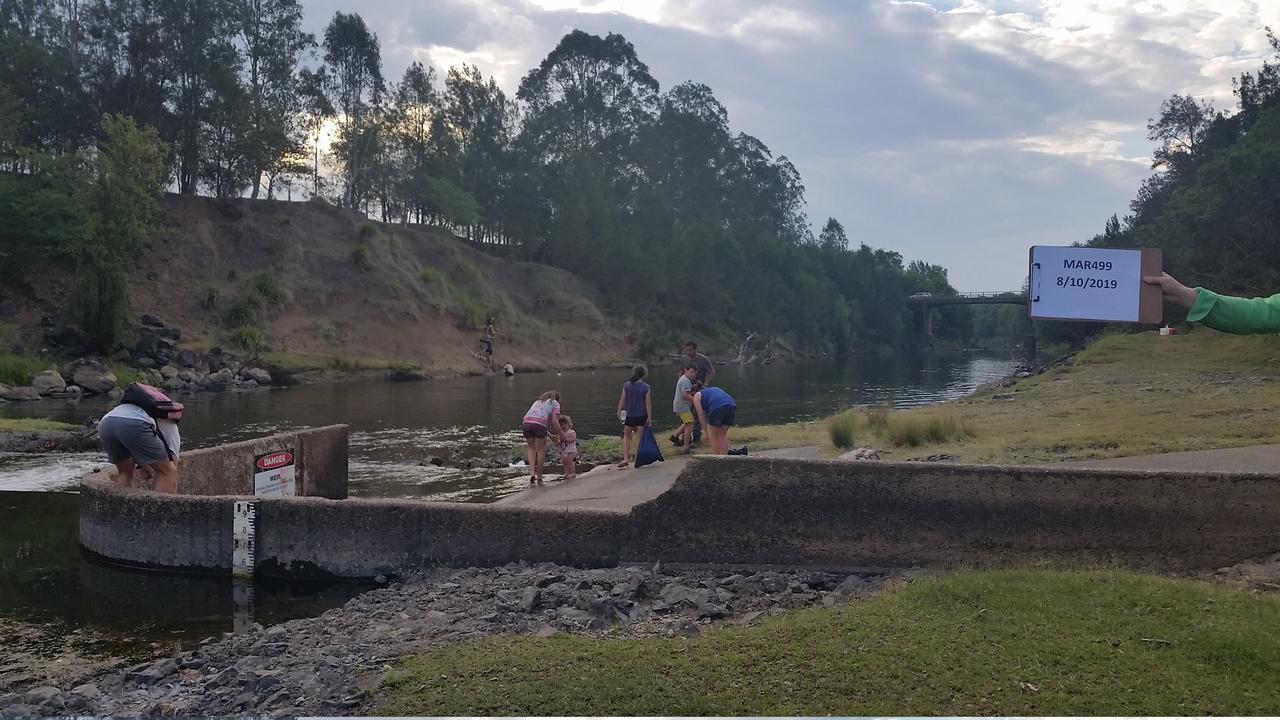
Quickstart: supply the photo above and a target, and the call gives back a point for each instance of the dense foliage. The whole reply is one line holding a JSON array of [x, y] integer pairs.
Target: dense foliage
[[590, 167]]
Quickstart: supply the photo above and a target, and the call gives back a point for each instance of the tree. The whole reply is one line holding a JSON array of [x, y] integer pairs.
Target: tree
[[128, 173], [1180, 129], [353, 65], [272, 45], [832, 236]]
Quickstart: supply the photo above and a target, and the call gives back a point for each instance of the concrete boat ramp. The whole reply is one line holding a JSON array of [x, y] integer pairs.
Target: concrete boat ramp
[[611, 489]]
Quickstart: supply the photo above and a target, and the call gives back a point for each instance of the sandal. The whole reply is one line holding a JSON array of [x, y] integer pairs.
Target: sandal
[[623, 465]]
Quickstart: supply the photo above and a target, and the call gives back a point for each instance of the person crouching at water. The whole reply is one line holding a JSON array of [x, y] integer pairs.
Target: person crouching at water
[[568, 447], [543, 419], [716, 411], [135, 438], [635, 410]]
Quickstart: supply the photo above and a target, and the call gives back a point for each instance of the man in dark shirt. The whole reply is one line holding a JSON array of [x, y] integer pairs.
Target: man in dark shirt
[[706, 373]]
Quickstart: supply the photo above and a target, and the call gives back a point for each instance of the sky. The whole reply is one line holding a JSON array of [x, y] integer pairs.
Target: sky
[[959, 132]]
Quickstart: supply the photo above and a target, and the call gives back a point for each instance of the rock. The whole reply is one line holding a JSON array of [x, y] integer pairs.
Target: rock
[[91, 375], [549, 579], [674, 594], [1023, 374], [258, 374], [190, 376], [151, 321], [45, 697], [223, 377], [48, 382], [529, 600], [862, 453], [19, 394], [246, 384], [153, 673], [63, 337], [168, 372], [186, 358], [73, 391], [116, 393], [223, 678], [437, 618], [266, 683], [170, 334], [545, 631], [713, 612], [146, 363], [88, 691], [122, 355], [173, 385]]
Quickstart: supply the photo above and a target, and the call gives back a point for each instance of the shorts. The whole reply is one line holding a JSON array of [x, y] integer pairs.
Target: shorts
[[534, 431], [722, 417], [637, 421], [488, 347], [125, 438], [685, 417]]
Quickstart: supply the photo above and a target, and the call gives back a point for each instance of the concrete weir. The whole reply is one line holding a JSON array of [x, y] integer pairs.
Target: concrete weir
[[721, 511]]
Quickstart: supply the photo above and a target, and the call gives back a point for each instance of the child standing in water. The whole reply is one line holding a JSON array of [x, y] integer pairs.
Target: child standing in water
[[568, 447], [635, 407]]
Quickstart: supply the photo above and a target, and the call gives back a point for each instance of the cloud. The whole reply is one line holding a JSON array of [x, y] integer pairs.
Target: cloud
[[956, 131]]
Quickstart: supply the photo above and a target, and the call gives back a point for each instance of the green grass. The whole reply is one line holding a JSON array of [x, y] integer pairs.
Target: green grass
[[905, 430], [362, 259], [296, 362], [842, 429], [268, 287], [33, 424], [17, 369], [125, 374], [1014, 642]]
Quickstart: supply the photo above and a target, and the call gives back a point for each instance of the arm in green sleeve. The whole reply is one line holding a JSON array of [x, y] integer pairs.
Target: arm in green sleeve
[[1237, 315]]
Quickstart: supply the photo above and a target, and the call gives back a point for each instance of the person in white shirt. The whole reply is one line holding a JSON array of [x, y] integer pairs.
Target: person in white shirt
[[134, 439]]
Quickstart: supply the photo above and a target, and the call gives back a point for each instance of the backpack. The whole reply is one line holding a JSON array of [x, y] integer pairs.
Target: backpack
[[152, 401], [647, 451]]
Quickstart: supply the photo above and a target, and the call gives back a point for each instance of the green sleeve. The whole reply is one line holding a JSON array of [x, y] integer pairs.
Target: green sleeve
[[1242, 316]]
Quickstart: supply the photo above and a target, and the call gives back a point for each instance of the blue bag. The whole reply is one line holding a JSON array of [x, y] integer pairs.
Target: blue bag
[[648, 452]]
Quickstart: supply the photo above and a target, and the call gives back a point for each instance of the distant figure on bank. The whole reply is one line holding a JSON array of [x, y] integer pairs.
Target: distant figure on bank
[[1241, 316], [509, 370], [542, 420], [682, 406], [705, 375], [487, 342], [716, 410], [635, 410], [142, 431], [568, 447]]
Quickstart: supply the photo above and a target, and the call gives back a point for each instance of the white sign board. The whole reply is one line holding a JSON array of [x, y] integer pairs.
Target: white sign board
[[275, 475], [1075, 283]]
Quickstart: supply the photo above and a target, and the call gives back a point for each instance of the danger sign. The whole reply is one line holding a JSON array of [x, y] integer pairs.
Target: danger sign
[[274, 475]]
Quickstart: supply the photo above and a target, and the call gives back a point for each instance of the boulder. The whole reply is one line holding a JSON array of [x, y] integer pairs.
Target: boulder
[[169, 333], [262, 377], [149, 320], [146, 363], [48, 382], [220, 380], [18, 394], [186, 358], [91, 375], [168, 372], [123, 355]]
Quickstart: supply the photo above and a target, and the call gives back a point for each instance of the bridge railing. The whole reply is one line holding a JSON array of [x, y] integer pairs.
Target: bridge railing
[[1010, 294]]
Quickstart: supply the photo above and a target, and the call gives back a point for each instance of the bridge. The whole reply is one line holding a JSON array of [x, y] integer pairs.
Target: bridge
[[924, 303]]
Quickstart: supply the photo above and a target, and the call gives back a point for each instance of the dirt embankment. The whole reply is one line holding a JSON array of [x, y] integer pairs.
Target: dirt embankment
[[333, 292]]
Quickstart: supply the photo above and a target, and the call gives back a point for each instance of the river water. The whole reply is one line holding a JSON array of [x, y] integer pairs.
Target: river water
[[395, 429]]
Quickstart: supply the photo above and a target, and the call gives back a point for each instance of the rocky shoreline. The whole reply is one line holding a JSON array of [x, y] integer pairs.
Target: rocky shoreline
[[329, 664]]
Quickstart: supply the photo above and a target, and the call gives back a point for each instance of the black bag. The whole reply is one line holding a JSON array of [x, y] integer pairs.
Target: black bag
[[152, 401]]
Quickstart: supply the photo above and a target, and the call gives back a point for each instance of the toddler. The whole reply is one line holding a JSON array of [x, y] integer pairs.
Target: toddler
[[568, 447]]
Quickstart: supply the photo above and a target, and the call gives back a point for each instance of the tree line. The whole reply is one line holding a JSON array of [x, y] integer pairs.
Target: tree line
[[591, 166]]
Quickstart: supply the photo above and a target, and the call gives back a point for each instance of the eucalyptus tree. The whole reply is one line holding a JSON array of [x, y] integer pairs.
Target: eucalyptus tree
[[353, 64]]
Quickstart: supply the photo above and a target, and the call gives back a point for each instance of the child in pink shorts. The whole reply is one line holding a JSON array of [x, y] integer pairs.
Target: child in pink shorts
[[568, 447]]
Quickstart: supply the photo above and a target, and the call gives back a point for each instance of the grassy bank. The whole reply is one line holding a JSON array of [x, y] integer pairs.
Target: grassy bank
[[33, 425], [1018, 642]]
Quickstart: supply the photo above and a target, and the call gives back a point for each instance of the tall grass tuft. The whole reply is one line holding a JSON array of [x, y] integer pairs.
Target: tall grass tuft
[[878, 418], [17, 369], [915, 430], [843, 429]]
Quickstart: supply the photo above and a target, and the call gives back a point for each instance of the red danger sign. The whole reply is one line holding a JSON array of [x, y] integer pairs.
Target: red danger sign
[[275, 460]]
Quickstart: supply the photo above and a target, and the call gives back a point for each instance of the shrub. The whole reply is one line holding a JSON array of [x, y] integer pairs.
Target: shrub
[[360, 256], [842, 429], [267, 286], [250, 340], [210, 299], [330, 334], [243, 314], [368, 231], [435, 276], [18, 369]]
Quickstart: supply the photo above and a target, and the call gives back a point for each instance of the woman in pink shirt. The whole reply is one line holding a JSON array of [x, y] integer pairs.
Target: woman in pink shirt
[[543, 419]]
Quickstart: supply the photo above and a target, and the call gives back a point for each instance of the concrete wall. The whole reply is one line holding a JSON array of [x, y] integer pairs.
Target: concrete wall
[[880, 514], [320, 455], [734, 510]]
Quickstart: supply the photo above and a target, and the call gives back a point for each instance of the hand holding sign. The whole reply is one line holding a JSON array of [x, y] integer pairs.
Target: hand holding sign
[[1173, 291]]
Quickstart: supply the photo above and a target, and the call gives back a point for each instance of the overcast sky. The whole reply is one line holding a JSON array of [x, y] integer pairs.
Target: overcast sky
[[960, 132]]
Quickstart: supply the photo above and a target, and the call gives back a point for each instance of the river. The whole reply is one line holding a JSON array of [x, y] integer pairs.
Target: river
[[395, 429]]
